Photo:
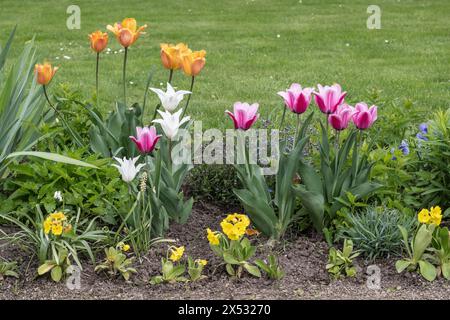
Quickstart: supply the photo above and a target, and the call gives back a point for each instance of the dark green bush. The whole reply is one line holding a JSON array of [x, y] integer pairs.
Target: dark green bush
[[213, 183]]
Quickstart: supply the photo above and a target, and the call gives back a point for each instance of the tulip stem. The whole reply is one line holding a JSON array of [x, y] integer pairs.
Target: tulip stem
[[296, 130], [124, 76], [159, 104], [50, 104], [282, 117], [189, 97], [170, 76], [96, 77], [336, 151], [170, 155]]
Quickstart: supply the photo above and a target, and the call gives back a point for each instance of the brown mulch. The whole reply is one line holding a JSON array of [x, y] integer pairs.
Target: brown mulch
[[303, 258]]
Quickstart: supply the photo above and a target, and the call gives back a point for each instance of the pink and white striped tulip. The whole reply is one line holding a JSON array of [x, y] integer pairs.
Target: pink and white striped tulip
[[244, 115], [341, 118], [329, 98], [364, 117], [146, 139], [296, 98]]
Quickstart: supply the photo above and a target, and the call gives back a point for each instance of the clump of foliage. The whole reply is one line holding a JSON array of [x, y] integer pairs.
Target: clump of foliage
[[213, 183], [116, 262], [432, 183], [428, 249], [8, 269], [56, 239], [233, 247], [21, 104], [374, 231], [173, 268], [271, 267], [99, 192], [340, 263]]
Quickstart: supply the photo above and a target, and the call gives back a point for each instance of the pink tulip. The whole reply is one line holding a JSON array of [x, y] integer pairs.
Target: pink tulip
[[340, 119], [296, 98], [328, 98], [146, 139], [244, 115], [364, 117]]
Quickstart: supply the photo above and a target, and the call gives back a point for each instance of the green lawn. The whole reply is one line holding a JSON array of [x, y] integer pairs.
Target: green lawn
[[254, 48]]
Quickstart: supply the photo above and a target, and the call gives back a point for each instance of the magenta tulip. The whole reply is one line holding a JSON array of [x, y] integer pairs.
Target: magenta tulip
[[340, 119], [296, 98], [244, 115], [146, 139], [329, 98], [364, 117]]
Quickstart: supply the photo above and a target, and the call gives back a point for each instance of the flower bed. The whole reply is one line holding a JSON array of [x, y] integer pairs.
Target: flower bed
[[97, 197]]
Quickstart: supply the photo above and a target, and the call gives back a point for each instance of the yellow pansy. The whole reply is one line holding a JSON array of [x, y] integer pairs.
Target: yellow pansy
[[57, 229], [424, 216], [436, 215], [47, 226], [177, 253], [213, 237], [235, 225], [202, 262], [58, 216], [126, 247]]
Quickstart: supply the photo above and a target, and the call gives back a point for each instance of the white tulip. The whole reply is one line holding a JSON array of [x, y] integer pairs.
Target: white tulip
[[171, 98], [128, 168], [170, 123]]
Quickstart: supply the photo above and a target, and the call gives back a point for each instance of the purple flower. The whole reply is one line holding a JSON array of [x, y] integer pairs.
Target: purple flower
[[404, 147], [423, 128]]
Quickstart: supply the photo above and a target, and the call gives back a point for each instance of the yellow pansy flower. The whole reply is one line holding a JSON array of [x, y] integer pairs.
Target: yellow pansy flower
[[58, 216], [126, 247], [436, 215], [47, 226], [213, 237], [57, 229], [424, 216], [202, 262], [235, 225], [177, 253]]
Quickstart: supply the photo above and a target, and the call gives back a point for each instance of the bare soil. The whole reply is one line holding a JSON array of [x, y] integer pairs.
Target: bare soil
[[303, 258]]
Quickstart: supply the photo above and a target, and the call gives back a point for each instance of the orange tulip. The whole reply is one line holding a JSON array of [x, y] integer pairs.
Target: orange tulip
[[99, 41], [126, 32], [44, 73], [172, 55], [193, 62]]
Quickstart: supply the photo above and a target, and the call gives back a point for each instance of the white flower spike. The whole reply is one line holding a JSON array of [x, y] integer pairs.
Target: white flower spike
[[170, 123], [171, 98], [128, 168]]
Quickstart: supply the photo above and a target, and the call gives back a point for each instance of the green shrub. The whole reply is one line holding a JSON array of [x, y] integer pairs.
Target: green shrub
[[392, 171], [375, 231], [433, 170], [97, 192], [213, 183]]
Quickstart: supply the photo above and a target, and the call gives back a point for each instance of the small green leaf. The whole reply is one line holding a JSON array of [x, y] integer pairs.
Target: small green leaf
[[56, 273], [401, 265], [253, 270], [427, 270]]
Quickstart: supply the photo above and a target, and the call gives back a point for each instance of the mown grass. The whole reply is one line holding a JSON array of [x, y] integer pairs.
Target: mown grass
[[254, 48]]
